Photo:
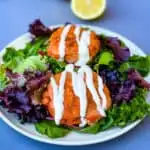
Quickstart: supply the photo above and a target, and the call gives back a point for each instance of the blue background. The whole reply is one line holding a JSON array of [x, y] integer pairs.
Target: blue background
[[130, 18]]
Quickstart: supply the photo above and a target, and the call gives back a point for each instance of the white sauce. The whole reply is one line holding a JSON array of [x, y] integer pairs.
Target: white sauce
[[83, 98], [101, 92], [83, 47], [90, 85], [79, 87], [77, 34], [62, 42], [58, 97]]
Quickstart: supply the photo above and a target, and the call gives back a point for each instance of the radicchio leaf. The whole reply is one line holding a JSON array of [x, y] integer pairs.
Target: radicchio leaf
[[124, 92], [37, 28], [20, 99], [121, 91], [40, 80], [120, 53], [135, 76], [16, 78]]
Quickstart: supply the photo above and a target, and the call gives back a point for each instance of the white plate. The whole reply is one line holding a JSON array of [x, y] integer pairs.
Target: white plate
[[73, 138]]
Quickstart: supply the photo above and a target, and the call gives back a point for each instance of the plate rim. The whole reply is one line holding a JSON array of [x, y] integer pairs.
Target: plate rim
[[73, 143]]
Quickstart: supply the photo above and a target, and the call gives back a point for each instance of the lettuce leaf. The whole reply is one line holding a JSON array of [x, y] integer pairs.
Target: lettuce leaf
[[50, 129], [56, 66], [105, 57], [3, 78], [12, 57], [32, 48], [93, 129], [120, 116], [99, 126], [31, 63], [139, 63]]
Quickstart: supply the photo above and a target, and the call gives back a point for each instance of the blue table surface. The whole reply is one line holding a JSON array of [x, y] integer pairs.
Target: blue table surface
[[127, 17]]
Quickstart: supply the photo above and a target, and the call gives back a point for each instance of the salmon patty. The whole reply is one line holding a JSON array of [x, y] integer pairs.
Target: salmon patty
[[74, 44], [71, 114]]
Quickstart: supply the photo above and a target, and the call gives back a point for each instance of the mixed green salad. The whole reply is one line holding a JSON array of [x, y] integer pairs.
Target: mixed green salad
[[25, 73]]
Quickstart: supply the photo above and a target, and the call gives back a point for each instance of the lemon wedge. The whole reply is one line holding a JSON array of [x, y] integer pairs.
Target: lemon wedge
[[88, 9]]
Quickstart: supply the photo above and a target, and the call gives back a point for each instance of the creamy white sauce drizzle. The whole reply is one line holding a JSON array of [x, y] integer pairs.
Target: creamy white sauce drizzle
[[83, 47], [101, 92], [80, 79], [58, 92], [81, 92], [77, 34], [62, 42], [90, 85]]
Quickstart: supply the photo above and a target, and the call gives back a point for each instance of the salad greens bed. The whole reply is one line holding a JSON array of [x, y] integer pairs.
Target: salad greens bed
[[25, 73]]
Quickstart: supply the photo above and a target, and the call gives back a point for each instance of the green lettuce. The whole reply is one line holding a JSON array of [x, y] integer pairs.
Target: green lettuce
[[141, 64], [13, 57], [105, 57], [50, 129], [31, 63], [32, 48], [56, 66], [3, 78]]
